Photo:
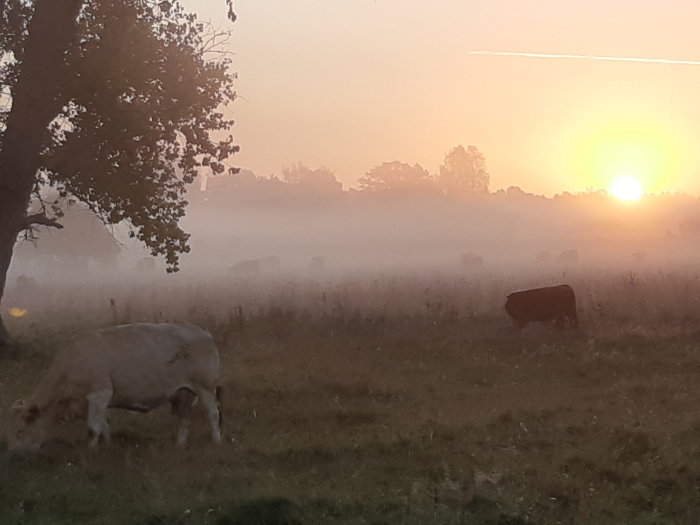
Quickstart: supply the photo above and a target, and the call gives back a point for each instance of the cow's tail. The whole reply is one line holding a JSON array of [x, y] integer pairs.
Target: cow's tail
[[219, 404]]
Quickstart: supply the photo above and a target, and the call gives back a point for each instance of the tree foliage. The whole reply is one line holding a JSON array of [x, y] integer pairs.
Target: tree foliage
[[397, 177], [316, 183], [14, 16], [463, 173], [137, 107]]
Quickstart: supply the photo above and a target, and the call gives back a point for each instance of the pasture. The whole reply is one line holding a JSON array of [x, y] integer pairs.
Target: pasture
[[384, 399]]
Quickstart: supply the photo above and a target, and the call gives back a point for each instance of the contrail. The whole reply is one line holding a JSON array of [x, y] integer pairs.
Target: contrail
[[590, 57]]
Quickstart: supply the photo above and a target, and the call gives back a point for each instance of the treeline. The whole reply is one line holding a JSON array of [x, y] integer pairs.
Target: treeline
[[462, 179], [462, 175]]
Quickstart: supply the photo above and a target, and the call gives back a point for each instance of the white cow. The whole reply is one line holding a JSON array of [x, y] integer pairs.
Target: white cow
[[135, 367]]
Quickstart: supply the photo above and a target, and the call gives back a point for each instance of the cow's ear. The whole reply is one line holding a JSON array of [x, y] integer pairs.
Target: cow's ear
[[31, 413]]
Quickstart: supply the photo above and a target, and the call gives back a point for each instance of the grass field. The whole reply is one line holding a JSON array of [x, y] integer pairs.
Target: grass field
[[386, 400]]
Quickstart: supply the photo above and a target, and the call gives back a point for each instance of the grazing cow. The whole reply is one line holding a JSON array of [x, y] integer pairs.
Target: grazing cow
[[26, 290], [272, 263], [135, 367], [543, 257], [640, 256], [471, 261], [317, 264], [26, 284], [543, 304], [568, 256], [248, 266], [146, 265]]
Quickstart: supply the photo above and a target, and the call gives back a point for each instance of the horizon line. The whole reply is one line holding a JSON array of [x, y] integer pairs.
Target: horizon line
[[644, 60]]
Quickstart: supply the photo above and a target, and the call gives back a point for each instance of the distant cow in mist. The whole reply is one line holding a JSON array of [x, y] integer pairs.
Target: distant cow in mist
[[568, 256], [248, 266], [255, 266], [471, 261], [26, 285], [543, 304], [317, 264], [22, 294], [271, 263], [146, 266], [543, 257]]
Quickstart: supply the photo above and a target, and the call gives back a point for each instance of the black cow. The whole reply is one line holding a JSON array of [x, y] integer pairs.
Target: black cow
[[543, 304]]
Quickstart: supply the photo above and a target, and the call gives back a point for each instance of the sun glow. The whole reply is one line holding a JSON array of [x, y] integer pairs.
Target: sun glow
[[626, 188], [629, 154]]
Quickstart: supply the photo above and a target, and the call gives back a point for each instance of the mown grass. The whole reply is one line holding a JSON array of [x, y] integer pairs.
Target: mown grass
[[363, 413]]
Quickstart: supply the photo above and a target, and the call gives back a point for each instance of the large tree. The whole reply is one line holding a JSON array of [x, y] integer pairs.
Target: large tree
[[113, 104], [463, 173]]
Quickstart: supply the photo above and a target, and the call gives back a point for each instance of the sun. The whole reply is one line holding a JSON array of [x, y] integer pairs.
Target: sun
[[626, 188]]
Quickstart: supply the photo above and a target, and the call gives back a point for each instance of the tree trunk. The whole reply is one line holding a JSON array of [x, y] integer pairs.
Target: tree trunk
[[8, 236], [35, 103]]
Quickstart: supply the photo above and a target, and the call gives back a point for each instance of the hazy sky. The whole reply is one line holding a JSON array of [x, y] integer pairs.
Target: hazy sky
[[352, 84]]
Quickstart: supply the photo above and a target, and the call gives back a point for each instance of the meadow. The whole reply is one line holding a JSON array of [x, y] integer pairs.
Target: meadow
[[388, 398]]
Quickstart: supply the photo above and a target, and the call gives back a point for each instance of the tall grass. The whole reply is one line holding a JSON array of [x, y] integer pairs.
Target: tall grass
[[384, 399], [621, 298]]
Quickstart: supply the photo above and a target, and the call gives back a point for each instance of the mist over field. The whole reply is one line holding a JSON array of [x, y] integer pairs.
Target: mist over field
[[360, 233], [370, 371], [313, 248], [369, 368]]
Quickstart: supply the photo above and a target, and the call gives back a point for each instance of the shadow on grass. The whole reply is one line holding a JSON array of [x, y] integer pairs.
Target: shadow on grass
[[281, 511]]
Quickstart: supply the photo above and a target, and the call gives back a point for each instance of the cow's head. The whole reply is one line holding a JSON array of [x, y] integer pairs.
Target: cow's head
[[24, 430]]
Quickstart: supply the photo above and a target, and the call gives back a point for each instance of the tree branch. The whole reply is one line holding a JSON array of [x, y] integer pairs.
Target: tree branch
[[41, 219], [231, 14]]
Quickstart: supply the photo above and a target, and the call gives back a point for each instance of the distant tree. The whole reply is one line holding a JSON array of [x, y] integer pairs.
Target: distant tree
[[112, 103], [463, 173], [397, 177], [244, 188], [516, 192], [316, 184]]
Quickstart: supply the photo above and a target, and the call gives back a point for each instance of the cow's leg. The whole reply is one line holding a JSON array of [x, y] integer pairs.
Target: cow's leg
[[98, 402], [182, 403], [183, 431], [220, 404], [573, 320], [105, 432], [517, 325], [211, 405]]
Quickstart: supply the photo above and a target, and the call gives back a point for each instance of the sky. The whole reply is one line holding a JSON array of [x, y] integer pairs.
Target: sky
[[349, 85]]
